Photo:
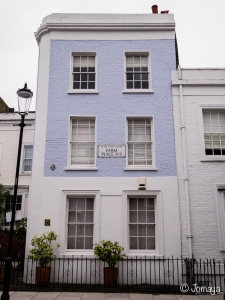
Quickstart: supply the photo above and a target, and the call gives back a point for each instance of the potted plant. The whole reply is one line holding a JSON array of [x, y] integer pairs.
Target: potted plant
[[42, 253], [111, 253]]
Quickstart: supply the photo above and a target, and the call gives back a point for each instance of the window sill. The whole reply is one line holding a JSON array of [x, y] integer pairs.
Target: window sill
[[215, 158], [141, 254], [83, 92], [138, 91], [81, 169], [25, 174], [77, 253], [140, 168]]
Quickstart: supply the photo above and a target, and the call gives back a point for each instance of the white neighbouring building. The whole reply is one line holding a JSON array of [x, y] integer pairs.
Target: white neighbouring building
[[104, 82], [199, 121], [9, 140]]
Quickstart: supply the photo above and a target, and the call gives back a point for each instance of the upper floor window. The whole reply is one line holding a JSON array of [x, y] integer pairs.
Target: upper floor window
[[139, 142], [137, 72], [83, 78], [214, 132], [27, 158], [82, 142]]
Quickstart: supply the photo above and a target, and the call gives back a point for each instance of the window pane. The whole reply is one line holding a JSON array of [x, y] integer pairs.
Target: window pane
[[141, 204], [133, 243], [91, 85], [72, 216], [76, 77], [80, 216], [71, 242], [129, 76], [71, 229], [137, 60], [129, 84], [76, 85], [141, 217], [83, 85], [150, 204], [145, 84], [151, 243], [89, 230], [133, 204], [88, 243], [142, 242], [27, 165], [150, 217], [137, 76], [141, 230], [91, 61], [133, 217], [150, 230], [72, 203], [133, 230], [28, 152], [84, 77], [80, 230], [91, 77], [137, 84], [89, 217], [81, 204], [90, 204], [80, 243]]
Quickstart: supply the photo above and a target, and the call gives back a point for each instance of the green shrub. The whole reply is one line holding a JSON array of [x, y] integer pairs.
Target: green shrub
[[42, 251], [109, 252]]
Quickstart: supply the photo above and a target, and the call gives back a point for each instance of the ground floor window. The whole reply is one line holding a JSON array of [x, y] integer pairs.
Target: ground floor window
[[80, 223], [142, 223]]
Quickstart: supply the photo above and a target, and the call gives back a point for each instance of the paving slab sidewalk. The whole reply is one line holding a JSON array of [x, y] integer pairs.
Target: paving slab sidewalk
[[105, 296]]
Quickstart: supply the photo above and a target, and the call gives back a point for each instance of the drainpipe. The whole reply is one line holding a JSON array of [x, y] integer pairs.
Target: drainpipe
[[186, 186]]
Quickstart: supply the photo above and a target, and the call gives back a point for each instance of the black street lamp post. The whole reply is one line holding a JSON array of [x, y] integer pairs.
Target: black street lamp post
[[24, 100]]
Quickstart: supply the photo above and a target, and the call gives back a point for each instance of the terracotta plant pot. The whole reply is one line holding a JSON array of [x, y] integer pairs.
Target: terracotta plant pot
[[110, 277], [43, 275]]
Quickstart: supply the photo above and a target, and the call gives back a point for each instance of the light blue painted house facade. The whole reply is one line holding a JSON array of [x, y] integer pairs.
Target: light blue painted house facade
[[104, 164]]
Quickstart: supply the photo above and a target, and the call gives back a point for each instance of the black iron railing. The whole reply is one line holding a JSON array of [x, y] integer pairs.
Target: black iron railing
[[135, 274]]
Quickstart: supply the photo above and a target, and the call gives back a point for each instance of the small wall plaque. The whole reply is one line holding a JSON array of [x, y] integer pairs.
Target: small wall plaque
[[108, 151], [47, 222]]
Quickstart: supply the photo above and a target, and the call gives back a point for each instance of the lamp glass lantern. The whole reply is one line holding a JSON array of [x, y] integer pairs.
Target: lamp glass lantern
[[24, 100]]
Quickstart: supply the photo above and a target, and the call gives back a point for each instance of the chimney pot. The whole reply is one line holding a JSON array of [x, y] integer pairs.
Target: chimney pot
[[154, 9]]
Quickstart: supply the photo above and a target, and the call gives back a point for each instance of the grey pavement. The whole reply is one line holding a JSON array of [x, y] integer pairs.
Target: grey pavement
[[106, 296]]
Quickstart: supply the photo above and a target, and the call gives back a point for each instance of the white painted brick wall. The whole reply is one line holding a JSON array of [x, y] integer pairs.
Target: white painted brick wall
[[202, 178]]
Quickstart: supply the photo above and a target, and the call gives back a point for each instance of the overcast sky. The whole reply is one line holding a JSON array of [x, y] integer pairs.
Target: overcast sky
[[200, 28]]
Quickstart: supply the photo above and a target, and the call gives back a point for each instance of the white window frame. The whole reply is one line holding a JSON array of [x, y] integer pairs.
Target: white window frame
[[82, 91], [138, 91], [220, 201], [141, 167], [66, 194], [209, 107], [80, 167], [159, 239], [22, 172]]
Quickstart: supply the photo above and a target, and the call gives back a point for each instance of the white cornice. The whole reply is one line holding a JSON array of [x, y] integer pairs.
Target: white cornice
[[103, 27], [199, 82]]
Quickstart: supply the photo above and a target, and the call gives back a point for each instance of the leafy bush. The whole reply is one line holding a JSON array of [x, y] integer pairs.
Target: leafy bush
[[42, 251], [21, 231], [109, 252]]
